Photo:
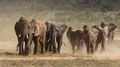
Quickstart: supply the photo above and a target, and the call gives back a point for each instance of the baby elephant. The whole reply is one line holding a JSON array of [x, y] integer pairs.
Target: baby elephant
[[75, 38]]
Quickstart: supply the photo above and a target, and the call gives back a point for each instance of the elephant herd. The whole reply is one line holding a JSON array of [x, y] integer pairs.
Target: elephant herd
[[48, 36]]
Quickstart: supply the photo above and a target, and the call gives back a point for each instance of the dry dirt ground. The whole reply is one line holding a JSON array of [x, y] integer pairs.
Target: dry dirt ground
[[110, 58]]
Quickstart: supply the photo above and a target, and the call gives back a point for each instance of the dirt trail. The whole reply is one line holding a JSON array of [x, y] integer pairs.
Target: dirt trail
[[40, 58], [61, 58]]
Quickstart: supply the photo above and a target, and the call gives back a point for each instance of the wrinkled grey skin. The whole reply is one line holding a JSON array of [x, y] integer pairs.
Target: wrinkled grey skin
[[75, 38], [23, 30], [47, 42], [56, 33]]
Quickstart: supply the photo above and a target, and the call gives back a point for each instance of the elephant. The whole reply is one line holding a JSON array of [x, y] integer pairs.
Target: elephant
[[23, 30], [39, 35], [101, 38], [47, 42], [110, 30], [93, 36], [88, 39], [75, 38], [56, 33]]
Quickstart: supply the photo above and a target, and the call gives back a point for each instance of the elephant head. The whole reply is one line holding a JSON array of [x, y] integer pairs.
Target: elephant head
[[48, 24], [36, 27], [103, 25]]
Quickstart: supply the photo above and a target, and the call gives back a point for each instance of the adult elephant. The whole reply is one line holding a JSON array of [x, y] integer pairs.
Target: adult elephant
[[88, 38], [56, 33], [75, 38], [93, 36], [23, 30], [109, 30], [101, 38], [39, 35], [47, 41]]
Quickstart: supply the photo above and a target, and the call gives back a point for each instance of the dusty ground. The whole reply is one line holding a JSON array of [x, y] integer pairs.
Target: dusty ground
[[110, 58]]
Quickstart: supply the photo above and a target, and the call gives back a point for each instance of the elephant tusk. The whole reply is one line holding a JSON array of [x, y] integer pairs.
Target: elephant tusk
[[33, 32], [19, 35], [27, 36], [49, 40]]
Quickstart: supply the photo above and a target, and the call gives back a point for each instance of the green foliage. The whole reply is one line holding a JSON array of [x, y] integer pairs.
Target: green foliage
[[106, 5], [103, 5]]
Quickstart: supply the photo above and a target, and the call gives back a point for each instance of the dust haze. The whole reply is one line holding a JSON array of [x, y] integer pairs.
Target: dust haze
[[11, 11]]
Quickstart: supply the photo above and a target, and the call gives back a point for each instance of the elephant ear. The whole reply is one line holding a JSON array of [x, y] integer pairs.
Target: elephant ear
[[57, 28], [112, 27], [63, 28]]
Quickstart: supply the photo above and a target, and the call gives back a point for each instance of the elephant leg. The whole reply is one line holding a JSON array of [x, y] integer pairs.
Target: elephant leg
[[54, 45], [43, 44], [26, 41], [46, 43], [109, 39], [59, 47], [18, 38], [59, 41], [20, 50], [46, 46], [35, 44], [112, 37], [50, 47], [78, 48], [102, 45], [73, 48], [81, 45], [92, 48], [96, 46], [21, 45], [28, 44], [88, 48]]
